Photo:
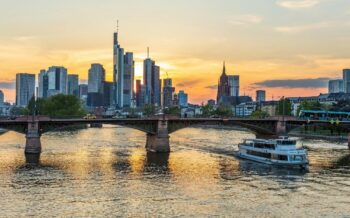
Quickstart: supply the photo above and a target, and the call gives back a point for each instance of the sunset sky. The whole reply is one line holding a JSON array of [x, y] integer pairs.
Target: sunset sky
[[288, 47]]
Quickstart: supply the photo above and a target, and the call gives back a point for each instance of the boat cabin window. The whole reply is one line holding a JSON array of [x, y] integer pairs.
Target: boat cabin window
[[282, 157], [259, 154], [264, 145], [286, 142], [296, 157]]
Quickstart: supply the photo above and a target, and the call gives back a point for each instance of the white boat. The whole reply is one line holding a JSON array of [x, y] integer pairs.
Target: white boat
[[282, 151]]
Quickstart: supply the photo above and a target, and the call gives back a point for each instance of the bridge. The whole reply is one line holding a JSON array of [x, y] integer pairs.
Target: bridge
[[157, 129]]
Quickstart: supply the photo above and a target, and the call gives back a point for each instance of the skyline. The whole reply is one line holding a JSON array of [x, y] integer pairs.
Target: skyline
[[275, 43]]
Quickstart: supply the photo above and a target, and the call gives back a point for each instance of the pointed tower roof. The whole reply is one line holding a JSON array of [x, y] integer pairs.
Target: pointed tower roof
[[224, 69]]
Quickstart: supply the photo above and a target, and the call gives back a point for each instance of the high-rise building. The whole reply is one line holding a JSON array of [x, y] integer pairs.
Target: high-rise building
[[97, 75], [233, 82], [128, 80], [73, 84], [83, 92], [25, 88], [260, 95], [1, 98], [118, 72], [43, 87], [168, 92], [346, 79], [223, 86], [108, 94], [152, 83], [183, 99], [138, 94], [57, 80], [336, 86]]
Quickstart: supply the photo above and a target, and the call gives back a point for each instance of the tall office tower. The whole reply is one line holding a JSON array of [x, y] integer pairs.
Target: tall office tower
[[233, 82], [336, 86], [107, 94], [138, 93], [151, 81], [97, 75], [260, 95], [128, 84], [73, 85], [183, 99], [118, 72], [43, 84], [346, 78], [25, 88], [223, 86], [1, 98], [83, 91], [168, 92], [57, 80], [96, 80]]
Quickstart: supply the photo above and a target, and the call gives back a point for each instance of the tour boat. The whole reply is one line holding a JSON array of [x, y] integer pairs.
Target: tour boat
[[282, 151]]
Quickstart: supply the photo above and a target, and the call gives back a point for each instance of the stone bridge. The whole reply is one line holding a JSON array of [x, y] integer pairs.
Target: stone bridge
[[157, 129]]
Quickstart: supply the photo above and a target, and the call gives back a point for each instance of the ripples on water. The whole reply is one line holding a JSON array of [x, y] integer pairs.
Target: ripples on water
[[107, 172]]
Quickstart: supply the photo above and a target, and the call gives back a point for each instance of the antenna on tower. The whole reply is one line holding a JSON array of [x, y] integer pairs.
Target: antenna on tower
[[117, 25], [147, 52]]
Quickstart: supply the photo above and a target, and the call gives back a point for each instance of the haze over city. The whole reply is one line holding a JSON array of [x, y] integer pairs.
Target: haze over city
[[288, 48]]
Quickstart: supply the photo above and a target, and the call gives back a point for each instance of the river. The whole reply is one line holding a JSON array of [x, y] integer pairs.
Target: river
[[107, 172]]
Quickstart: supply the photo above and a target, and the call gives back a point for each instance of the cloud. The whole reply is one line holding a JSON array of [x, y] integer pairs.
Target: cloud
[[298, 4], [245, 19], [7, 85], [212, 87], [302, 28], [296, 83]]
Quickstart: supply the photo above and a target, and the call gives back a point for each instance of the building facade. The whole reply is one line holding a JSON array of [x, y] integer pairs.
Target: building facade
[[2, 101], [97, 75], [118, 72], [168, 92], [25, 88], [346, 78], [73, 85], [83, 92], [233, 82], [57, 80], [336, 86], [43, 84], [151, 82], [260, 95], [228, 88], [183, 99], [128, 81]]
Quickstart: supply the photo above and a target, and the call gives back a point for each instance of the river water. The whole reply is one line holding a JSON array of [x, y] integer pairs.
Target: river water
[[107, 172]]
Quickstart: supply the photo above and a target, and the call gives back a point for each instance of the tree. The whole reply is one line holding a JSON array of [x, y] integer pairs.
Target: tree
[[310, 105], [173, 110], [207, 110], [149, 109], [260, 114], [224, 110], [284, 107], [343, 105]]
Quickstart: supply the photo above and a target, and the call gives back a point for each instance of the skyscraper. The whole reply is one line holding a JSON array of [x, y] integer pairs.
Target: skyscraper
[[73, 84], [138, 94], [1, 98], [118, 72], [183, 99], [128, 83], [346, 78], [57, 80], [168, 92], [83, 92], [43, 84], [260, 95], [336, 86], [151, 81], [233, 82], [107, 93], [25, 88], [96, 81]]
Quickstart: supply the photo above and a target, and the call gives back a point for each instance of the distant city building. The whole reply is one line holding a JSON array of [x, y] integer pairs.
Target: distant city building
[[96, 78], [260, 95], [25, 88], [128, 83], [108, 94], [228, 87], [118, 72], [168, 92], [211, 102], [183, 99], [43, 84], [233, 82], [83, 92], [244, 109], [151, 81], [1, 98], [73, 84], [57, 80], [336, 86], [346, 78]]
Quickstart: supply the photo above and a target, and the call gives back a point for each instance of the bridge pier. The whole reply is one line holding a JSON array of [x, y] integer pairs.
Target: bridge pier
[[281, 128], [33, 143], [159, 142]]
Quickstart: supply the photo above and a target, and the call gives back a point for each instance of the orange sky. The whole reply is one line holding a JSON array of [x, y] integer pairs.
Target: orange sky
[[265, 40]]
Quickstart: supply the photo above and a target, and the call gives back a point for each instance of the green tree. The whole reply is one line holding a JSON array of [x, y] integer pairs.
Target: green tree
[[310, 105], [149, 109], [224, 110], [207, 110], [284, 107], [259, 114], [173, 110]]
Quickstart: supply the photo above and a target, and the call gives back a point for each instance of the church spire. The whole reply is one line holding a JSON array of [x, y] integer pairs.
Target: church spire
[[224, 69]]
